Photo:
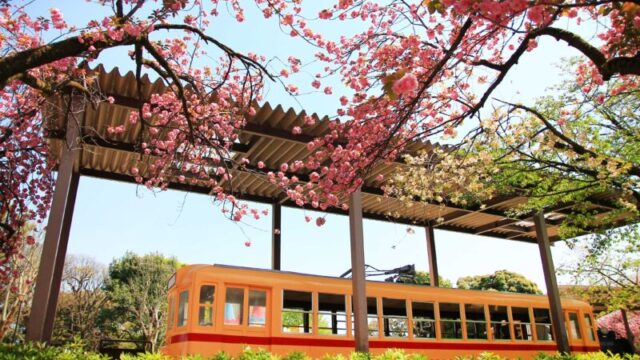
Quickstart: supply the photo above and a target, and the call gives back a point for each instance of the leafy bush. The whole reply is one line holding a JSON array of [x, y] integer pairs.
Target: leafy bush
[[360, 356], [145, 356], [588, 356], [33, 351], [75, 351], [296, 355], [259, 354], [222, 356], [398, 354], [333, 357], [482, 356]]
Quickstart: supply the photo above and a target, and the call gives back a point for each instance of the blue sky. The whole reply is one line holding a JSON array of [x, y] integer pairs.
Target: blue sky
[[112, 218]]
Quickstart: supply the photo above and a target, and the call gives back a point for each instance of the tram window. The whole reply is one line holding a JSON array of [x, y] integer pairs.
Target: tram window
[[394, 315], [332, 314], [575, 326], [205, 313], [589, 324], [183, 308], [257, 308], [172, 304], [499, 322], [521, 323], [233, 306], [450, 321], [476, 321], [544, 330], [372, 317], [296, 312], [424, 320]]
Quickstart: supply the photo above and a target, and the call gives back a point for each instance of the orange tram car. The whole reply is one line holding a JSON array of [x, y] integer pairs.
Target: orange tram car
[[215, 308]]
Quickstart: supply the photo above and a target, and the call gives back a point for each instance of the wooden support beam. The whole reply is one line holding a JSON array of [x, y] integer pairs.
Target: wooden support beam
[[54, 248], [59, 264], [557, 316], [358, 280], [433, 260], [276, 229]]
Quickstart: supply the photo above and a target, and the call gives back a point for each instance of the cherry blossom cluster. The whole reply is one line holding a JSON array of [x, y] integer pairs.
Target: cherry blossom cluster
[[613, 322], [186, 131], [412, 73]]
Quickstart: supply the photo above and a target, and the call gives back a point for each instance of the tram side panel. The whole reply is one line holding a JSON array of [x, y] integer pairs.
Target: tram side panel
[[507, 324]]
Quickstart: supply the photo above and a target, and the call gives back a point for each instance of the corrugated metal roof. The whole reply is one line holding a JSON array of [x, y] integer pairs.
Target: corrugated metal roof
[[267, 137]]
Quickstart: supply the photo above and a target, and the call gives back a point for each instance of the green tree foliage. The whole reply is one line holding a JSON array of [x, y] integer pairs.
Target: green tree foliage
[[80, 302], [501, 280], [565, 150], [607, 268], [137, 290], [422, 278], [606, 271]]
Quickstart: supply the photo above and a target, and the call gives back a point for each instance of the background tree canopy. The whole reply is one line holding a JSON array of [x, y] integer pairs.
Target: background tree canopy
[[422, 278], [501, 280], [137, 292]]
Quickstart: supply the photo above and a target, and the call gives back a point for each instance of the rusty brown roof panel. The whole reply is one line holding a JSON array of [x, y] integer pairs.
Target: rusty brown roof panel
[[268, 137]]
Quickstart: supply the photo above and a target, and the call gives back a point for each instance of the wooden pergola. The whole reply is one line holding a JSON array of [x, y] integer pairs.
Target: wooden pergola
[[82, 146]]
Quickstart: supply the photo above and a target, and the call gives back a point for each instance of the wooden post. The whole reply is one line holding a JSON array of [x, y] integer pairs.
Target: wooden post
[[431, 254], [276, 223], [54, 248], [557, 316], [357, 272]]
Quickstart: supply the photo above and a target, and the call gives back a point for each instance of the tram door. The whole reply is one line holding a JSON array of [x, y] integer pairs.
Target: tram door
[[245, 310]]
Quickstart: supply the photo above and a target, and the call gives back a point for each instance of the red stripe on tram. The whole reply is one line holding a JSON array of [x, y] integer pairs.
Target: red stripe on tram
[[296, 341]]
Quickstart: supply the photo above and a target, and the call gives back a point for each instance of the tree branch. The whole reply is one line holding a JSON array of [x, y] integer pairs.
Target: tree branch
[[619, 65], [22, 61]]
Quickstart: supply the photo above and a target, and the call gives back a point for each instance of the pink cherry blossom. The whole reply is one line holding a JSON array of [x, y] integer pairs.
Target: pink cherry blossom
[[405, 85]]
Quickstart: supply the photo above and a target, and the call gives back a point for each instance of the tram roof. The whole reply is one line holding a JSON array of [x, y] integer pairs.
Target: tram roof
[[267, 137], [239, 272]]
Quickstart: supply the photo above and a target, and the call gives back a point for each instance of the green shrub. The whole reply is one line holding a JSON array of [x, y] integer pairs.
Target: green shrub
[[333, 357], [195, 357], [75, 351], [35, 351], [222, 356], [360, 356], [296, 355], [392, 354], [588, 356], [145, 356], [259, 354]]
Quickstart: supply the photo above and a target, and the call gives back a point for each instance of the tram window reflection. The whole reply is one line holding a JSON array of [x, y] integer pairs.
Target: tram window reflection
[[372, 317], [476, 321], [332, 315], [233, 306], [499, 322], [296, 312], [521, 323], [205, 312], [544, 330], [394, 315], [183, 308], [588, 321], [574, 326], [450, 321], [257, 308], [424, 320]]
